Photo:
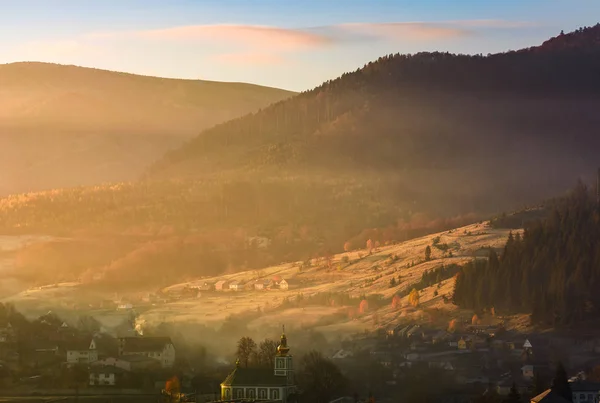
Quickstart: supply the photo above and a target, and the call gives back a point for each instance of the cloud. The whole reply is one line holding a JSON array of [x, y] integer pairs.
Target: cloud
[[406, 30], [250, 58], [255, 36]]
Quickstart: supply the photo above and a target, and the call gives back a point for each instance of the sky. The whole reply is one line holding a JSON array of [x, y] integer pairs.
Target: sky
[[288, 44]]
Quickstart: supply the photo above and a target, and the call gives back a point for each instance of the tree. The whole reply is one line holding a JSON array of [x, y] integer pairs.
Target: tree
[[413, 297], [513, 396], [475, 320], [428, 253], [347, 247], [88, 324], [369, 245], [246, 349], [392, 282], [320, 378], [266, 353], [173, 388], [560, 383], [396, 302], [452, 326], [363, 306]]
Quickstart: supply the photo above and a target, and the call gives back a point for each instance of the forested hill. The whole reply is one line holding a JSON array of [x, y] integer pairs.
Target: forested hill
[[552, 270], [512, 118], [67, 125]]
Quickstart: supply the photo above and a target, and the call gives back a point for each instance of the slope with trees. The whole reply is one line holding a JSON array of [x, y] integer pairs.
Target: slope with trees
[[551, 270]]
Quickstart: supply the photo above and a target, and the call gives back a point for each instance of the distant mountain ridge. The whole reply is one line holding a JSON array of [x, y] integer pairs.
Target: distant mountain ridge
[[88, 126]]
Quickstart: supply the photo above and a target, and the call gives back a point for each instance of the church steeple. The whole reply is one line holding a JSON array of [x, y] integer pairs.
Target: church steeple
[[283, 349], [283, 360]]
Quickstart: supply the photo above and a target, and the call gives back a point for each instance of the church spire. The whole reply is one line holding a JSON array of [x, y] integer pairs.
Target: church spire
[[283, 349]]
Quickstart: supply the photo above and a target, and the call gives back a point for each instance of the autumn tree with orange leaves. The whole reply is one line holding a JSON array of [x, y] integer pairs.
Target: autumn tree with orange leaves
[[363, 307], [370, 246], [452, 326], [396, 302], [172, 388]]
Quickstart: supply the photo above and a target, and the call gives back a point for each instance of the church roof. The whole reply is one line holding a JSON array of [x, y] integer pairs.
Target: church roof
[[254, 377]]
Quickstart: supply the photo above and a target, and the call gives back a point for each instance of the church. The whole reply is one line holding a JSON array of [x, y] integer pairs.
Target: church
[[272, 384]]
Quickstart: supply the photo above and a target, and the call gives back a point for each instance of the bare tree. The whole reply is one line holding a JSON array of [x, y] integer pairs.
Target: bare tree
[[266, 353], [246, 349]]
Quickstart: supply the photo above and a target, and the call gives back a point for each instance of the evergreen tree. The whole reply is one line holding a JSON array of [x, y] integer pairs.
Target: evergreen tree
[[513, 396], [428, 253], [560, 383]]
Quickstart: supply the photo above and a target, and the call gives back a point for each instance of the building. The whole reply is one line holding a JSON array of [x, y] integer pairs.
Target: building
[[220, 285], [283, 285], [263, 383], [158, 348], [585, 392], [262, 284], [236, 285], [549, 396], [104, 375], [82, 352], [131, 363]]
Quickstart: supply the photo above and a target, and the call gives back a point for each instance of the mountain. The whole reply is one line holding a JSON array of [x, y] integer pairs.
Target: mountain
[[66, 125], [485, 131], [407, 145]]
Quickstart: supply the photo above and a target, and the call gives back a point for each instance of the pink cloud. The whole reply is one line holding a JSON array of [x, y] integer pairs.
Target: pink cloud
[[249, 35], [406, 30], [250, 58]]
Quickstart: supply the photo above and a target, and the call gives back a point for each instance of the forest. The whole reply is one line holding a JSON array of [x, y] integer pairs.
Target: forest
[[550, 270]]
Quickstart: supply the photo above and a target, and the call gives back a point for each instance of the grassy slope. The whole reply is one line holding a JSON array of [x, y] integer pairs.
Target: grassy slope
[[357, 278], [67, 125]]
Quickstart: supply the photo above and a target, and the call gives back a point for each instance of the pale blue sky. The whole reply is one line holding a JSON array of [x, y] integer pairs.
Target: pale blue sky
[[282, 43]]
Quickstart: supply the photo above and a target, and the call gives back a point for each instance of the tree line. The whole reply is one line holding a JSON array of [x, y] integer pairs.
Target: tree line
[[551, 270]]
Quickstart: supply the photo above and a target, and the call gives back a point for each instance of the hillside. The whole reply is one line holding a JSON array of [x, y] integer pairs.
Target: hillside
[[551, 271], [521, 121], [331, 289], [406, 146], [66, 125]]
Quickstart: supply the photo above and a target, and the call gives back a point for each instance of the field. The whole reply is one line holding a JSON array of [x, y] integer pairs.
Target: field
[[355, 273]]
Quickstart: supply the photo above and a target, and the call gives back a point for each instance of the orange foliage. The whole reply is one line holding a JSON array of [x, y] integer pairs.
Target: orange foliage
[[369, 245], [475, 320], [414, 297], [172, 385], [347, 247], [363, 307], [396, 302], [452, 326]]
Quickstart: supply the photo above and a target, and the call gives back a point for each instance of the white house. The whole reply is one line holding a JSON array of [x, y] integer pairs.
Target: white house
[[82, 352], [104, 375], [158, 348], [342, 354], [236, 286], [283, 285]]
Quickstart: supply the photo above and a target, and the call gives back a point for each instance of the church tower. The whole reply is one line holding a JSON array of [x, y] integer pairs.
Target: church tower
[[283, 360]]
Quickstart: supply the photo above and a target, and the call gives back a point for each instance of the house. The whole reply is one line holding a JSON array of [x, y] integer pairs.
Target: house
[[262, 284], [462, 344], [585, 391], [104, 375], [263, 383], [283, 285], [82, 352], [131, 363], [220, 285], [158, 348], [342, 354], [527, 371], [236, 285], [124, 307]]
